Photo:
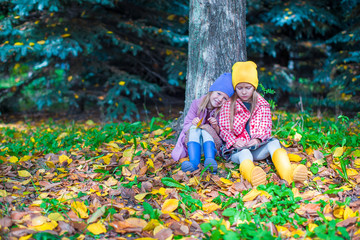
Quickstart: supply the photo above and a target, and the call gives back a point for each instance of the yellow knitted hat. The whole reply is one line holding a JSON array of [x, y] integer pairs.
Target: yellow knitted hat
[[245, 72]]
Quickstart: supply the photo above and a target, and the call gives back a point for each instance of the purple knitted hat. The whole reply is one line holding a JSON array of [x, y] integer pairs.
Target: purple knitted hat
[[223, 84]]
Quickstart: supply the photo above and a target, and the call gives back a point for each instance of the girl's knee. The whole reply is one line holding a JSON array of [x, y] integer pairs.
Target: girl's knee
[[275, 144], [241, 156], [206, 136], [245, 152], [194, 134]]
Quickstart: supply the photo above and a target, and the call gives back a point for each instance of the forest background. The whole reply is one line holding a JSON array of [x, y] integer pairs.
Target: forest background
[[124, 57], [107, 78]]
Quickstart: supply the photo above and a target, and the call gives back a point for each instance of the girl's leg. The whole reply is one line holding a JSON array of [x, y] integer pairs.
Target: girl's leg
[[266, 150], [289, 172], [253, 174], [194, 150], [209, 151]]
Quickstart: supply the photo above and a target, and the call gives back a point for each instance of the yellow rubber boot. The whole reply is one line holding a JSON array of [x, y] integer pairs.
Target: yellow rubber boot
[[282, 164], [299, 172], [254, 175]]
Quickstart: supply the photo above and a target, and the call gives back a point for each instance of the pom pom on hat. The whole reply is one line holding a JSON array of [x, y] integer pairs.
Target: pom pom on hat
[[223, 84], [245, 72]]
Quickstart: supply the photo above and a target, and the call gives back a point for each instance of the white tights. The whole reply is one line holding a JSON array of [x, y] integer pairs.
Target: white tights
[[259, 154], [199, 135]]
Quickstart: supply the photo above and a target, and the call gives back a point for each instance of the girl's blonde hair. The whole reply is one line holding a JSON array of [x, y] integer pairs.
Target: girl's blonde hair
[[204, 104], [233, 100]]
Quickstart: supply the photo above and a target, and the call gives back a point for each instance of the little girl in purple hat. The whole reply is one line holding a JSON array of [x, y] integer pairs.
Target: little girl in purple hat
[[194, 140]]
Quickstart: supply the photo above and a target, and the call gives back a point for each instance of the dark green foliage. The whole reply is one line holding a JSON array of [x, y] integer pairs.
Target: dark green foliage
[[310, 49], [114, 54], [82, 53]]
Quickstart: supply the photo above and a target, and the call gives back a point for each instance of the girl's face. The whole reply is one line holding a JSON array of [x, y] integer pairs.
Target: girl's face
[[245, 91], [217, 99]]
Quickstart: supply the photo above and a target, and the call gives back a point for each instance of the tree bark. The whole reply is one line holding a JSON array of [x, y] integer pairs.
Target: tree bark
[[217, 39]]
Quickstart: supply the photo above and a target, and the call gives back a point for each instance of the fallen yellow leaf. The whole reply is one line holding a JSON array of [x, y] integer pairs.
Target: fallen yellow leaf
[[210, 207], [297, 232], [357, 163], [24, 173], [151, 225], [64, 158], [339, 212], [3, 193], [162, 191], [96, 228], [251, 195], [194, 181], [170, 205], [264, 193], [25, 237], [150, 163], [62, 135], [107, 158], [226, 181], [346, 187], [113, 145], [140, 196], [312, 226], [25, 158], [80, 209], [294, 157], [46, 226], [199, 123], [283, 231], [128, 153], [56, 217], [234, 174], [351, 172], [90, 122], [158, 132], [40, 220], [173, 216], [338, 152], [50, 164], [13, 159], [309, 151], [125, 172], [348, 213]]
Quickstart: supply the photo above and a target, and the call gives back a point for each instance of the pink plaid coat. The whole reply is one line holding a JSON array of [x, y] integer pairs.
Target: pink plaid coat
[[260, 123]]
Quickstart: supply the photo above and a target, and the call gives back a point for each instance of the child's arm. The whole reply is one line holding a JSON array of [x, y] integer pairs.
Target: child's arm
[[214, 124]]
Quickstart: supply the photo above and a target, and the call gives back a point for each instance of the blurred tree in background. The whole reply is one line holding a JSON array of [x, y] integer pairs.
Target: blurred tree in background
[[112, 54]]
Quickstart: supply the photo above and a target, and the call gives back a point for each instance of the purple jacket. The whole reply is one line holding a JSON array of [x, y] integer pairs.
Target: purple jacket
[[180, 150]]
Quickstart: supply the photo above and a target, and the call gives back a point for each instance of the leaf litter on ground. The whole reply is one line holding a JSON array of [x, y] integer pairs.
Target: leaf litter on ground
[[83, 180]]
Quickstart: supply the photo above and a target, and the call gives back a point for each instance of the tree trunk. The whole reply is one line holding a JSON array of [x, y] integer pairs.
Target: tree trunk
[[217, 39]]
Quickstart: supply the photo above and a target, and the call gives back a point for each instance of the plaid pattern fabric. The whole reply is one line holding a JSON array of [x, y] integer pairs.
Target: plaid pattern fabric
[[260, 123]]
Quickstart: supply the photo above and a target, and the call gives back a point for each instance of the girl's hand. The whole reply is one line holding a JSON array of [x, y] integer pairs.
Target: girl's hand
[[195, 121], [213, 122], [239, 144], [253, 142]]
